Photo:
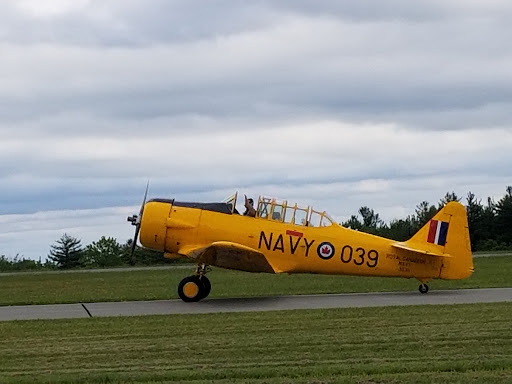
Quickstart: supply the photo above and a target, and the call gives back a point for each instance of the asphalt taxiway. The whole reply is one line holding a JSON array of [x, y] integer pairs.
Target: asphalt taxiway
[[276, 303]]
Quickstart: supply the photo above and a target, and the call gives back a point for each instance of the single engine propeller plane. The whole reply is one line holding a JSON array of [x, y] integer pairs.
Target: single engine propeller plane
[[287, 238]]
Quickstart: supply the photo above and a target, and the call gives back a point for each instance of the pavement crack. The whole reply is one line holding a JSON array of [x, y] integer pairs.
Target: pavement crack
[[86, 310]]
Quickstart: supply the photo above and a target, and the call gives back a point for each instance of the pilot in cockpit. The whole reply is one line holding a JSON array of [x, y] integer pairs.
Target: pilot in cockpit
[[249, 207]]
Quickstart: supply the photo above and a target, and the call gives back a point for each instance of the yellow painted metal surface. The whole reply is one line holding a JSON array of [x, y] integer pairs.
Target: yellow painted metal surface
[[283, 243]]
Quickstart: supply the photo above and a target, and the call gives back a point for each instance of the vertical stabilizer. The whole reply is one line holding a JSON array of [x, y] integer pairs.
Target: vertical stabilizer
[[447, 234]]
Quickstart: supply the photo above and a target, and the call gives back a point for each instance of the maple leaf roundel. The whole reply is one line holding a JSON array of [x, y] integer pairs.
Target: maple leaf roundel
[[325, 250]]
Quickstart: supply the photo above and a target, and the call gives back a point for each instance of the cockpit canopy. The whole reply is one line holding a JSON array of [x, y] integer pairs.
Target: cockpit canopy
[[281, 211]]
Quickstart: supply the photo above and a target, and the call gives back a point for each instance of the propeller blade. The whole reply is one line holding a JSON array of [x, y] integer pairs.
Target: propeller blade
[[145, 196], [134, 244], [136, 220]]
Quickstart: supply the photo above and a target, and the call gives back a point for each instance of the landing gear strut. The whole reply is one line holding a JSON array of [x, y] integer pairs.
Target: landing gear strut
[[196, 287], [423, 288]]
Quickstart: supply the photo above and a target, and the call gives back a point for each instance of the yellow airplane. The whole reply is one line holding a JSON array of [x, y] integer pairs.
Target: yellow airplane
[[287, 238]]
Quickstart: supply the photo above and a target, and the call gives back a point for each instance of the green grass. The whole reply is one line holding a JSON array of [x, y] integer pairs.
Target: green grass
[[425, 344], [492, 253], [49, 288]]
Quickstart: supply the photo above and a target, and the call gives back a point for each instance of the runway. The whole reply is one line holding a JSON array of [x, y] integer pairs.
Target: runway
[[277, 303]]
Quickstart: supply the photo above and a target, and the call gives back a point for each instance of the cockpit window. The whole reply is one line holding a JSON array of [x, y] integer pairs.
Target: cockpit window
[[288, 214], [301, 216], [278, 210], [275, 210], [319, 219], [272, 209], [264, 207], [231, 202], [296, 215]]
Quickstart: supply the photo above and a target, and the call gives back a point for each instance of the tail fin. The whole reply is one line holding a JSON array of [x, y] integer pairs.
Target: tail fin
[[446, 236]]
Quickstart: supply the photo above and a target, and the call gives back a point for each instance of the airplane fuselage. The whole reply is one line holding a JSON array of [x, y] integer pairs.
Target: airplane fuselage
[[179, 228]]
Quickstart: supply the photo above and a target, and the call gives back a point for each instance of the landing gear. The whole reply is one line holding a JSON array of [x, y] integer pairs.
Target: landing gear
[[196, 287], [190, 289], [207, 286], [423, 288]]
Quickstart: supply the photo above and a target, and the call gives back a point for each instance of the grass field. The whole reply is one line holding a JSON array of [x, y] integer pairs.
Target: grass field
[[49, 288], [427, 344]]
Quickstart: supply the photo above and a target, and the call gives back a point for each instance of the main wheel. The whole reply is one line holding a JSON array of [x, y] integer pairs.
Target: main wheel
[[191, 289], [423, 288], [207, 286]]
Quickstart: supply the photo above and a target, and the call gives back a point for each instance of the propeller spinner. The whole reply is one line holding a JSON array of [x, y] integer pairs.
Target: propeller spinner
[[136, 220]]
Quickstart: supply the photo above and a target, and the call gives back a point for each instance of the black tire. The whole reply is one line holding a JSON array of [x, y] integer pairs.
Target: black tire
[[207, 286], [190, 289], [423, 288]]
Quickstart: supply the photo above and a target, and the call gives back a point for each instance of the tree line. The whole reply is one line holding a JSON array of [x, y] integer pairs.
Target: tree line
[[490, 223], [490, 227], [67, 253]]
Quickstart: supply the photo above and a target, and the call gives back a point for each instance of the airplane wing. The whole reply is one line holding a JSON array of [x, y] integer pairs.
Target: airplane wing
[[229, 255], [420, 251]]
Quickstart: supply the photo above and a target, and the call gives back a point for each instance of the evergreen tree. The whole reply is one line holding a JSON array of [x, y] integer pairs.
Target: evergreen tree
[[67, 252], [487, 233], [475, 212], [424, 212], [504, 218], [353, 223], [401, 230], [450, 196], [371, 220]]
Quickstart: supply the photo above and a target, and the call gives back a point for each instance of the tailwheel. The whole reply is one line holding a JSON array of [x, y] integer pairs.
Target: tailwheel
[[423, 288], [191, 289]]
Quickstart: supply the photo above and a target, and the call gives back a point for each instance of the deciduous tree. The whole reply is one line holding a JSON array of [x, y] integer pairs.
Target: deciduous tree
[[106, 252]]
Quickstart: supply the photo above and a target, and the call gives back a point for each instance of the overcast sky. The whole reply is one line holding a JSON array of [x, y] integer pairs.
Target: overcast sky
[[335, 104]]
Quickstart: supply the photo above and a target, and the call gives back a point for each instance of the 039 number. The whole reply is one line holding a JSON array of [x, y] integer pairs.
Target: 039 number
[[359, 256]]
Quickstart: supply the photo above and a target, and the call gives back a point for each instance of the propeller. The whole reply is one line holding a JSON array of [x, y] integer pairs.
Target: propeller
[[136, 220]]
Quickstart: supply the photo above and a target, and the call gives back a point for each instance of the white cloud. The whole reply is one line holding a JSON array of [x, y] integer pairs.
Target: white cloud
[[30, 235]]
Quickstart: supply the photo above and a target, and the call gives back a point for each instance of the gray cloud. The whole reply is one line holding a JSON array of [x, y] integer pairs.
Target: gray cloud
[[340, 104], [393, 71], [89, 171]]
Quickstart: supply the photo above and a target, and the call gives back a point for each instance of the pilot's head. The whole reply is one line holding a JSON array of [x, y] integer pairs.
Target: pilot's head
[[251, 201]]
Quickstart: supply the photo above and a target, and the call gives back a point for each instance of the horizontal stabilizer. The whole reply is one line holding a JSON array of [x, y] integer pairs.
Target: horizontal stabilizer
[[420, 251]]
